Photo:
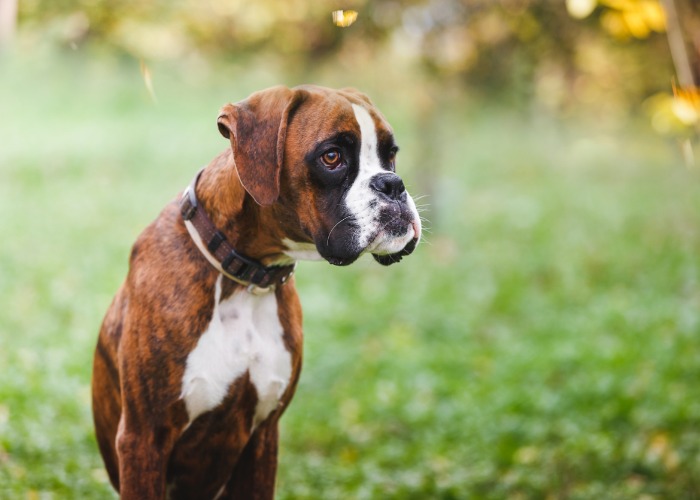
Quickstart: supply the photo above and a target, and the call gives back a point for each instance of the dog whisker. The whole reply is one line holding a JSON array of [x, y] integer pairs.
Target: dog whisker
[[358, 219], [333, 228]]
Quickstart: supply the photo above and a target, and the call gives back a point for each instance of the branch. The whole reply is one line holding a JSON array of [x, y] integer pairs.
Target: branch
[[679, 49]]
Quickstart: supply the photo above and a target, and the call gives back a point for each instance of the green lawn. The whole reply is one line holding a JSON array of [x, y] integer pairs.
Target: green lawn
[[542, 343]]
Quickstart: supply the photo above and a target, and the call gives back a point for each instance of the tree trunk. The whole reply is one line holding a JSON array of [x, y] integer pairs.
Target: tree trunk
[[683, 30], [8, 21]]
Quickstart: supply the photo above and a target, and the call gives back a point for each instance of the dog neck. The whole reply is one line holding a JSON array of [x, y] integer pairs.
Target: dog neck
[[253, 230]]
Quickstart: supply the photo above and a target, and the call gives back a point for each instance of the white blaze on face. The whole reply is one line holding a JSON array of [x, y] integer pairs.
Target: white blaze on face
[[360, 195]]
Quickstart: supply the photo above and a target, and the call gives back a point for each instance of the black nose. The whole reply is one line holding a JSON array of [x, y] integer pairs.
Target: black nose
[[390, 185]]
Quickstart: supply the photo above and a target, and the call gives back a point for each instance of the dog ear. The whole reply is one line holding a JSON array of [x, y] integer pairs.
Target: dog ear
[[257, 129]]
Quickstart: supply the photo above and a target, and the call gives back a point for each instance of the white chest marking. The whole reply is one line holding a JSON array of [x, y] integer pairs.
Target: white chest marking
[[244, 335]]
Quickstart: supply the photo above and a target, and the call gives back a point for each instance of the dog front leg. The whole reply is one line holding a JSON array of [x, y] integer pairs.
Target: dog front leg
[[143, 457], [254, 475]]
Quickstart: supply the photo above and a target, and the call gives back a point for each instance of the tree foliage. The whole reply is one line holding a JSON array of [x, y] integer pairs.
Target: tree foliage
[[534, 47]]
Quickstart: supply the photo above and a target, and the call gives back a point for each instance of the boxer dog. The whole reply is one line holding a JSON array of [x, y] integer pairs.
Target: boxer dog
[[200, 351]]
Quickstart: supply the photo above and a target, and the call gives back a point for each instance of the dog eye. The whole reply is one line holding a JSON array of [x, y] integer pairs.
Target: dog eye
[[332, 159], [392, 158]]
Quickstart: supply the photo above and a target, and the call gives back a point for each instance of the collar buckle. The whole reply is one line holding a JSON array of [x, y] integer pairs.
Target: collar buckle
[[188, 206]]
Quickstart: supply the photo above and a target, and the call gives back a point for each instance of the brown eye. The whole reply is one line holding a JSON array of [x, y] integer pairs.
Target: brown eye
[[392, 159], [331, 159]]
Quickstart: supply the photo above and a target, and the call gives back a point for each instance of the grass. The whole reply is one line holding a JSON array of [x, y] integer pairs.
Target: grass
[[542, 344]]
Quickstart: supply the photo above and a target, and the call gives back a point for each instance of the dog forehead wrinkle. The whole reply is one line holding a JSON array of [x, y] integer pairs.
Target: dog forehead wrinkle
[[322, 114]]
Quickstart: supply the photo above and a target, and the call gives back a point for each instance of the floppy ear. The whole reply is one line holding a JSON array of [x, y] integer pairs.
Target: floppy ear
[[257, 128]]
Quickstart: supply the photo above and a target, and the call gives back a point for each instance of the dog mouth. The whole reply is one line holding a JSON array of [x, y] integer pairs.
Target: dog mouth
[[395, 235], [385, 259], [395, 241], [382, 251], [388, 259]]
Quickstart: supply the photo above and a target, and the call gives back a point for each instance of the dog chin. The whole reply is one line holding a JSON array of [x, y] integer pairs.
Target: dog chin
[[341, 261], [343, 256], [387, 259], [384, 258], [389, 250], [386, 249]]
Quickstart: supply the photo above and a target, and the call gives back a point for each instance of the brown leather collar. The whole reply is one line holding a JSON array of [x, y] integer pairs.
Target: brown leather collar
[[219, 252]]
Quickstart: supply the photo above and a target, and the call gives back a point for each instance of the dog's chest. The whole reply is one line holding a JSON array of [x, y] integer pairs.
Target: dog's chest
[[244, 335]]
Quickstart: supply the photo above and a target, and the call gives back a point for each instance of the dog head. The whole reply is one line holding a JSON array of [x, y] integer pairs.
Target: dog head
[[326, 160]]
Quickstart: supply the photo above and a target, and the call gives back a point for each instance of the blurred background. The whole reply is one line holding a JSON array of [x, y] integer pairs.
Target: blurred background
[[542, 342]]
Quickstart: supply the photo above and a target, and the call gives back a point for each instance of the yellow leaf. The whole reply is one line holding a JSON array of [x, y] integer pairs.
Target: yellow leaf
[[686, 104], [614, 24], [620, 4], [344, 18], [635, 23], [146, 74], [654, 15]]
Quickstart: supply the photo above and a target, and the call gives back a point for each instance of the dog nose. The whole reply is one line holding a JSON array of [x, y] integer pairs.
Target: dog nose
[[389, 185]]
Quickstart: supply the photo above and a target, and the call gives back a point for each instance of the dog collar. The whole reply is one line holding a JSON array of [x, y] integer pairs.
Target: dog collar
[[259, 279]]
